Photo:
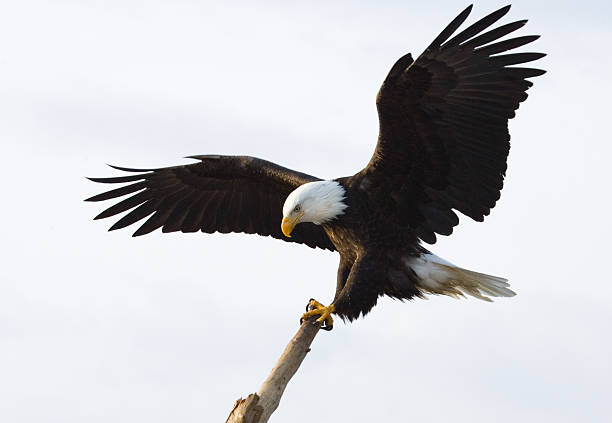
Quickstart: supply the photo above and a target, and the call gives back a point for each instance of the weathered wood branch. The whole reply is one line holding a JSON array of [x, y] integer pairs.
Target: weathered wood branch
[[257, 407]]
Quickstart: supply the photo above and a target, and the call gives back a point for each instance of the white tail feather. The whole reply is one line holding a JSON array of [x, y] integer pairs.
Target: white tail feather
[[438, 276]]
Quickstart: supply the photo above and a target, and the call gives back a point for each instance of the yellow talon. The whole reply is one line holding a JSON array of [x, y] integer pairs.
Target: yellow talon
[[315, 308]]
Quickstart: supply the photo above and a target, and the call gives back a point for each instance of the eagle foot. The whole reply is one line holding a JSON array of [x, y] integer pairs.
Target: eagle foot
[[315, 308]]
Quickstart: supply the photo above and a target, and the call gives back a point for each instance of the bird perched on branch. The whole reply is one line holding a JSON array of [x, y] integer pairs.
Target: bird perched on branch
[[442, 148]]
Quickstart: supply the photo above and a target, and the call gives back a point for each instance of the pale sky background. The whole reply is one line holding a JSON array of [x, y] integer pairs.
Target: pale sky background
[[102, 327]]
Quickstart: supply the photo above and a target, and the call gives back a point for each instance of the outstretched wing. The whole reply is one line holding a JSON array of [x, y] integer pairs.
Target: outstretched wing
[[216, 194], [444, 139]]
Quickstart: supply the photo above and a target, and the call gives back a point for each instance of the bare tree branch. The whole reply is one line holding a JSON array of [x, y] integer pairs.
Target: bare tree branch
[[258, 407]]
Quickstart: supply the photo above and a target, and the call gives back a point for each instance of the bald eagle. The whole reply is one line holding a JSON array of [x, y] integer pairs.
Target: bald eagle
[[442, 149]]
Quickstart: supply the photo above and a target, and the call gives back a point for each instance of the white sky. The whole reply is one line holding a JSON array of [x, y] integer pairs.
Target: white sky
[[101, 327]]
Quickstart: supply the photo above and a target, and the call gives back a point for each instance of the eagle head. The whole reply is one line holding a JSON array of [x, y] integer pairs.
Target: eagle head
[[317, 202]]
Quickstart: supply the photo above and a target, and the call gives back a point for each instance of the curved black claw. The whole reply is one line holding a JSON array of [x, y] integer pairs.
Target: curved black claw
[[307, 309], [324, 326], [308, 304]]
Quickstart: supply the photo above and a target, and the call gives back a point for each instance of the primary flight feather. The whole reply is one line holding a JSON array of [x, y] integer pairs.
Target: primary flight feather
[[442, 148]]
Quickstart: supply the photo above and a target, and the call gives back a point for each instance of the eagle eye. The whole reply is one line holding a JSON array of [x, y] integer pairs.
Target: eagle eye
[[297, 208]]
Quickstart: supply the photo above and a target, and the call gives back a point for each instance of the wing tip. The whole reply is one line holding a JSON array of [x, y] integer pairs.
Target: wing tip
[[96, 198], [201, 157], [128, 169], [501, 12], [102, 215], [449, 30]]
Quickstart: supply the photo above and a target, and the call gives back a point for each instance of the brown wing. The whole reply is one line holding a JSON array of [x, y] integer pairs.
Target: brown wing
[[216, 194], [444, 138]]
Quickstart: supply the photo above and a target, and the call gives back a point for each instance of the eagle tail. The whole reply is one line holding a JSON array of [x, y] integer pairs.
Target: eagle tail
[[438, 276]]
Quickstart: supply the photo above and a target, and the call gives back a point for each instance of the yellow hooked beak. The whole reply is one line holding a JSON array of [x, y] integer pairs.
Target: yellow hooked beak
[[289, 223]]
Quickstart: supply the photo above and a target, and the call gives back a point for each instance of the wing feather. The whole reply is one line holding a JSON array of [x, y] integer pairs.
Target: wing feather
[[450, 28], [477, 27], [215, 194], [123, 205], [494, 34], [135, 215], [444, 138]]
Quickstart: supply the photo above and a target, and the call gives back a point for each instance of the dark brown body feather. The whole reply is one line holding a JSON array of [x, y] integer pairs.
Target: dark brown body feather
[[442, 146]]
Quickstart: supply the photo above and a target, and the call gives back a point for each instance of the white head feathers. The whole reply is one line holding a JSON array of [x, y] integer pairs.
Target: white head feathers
[[316, 202]]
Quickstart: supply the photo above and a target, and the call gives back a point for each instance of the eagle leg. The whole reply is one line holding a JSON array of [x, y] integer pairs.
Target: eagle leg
[[315, 308]]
